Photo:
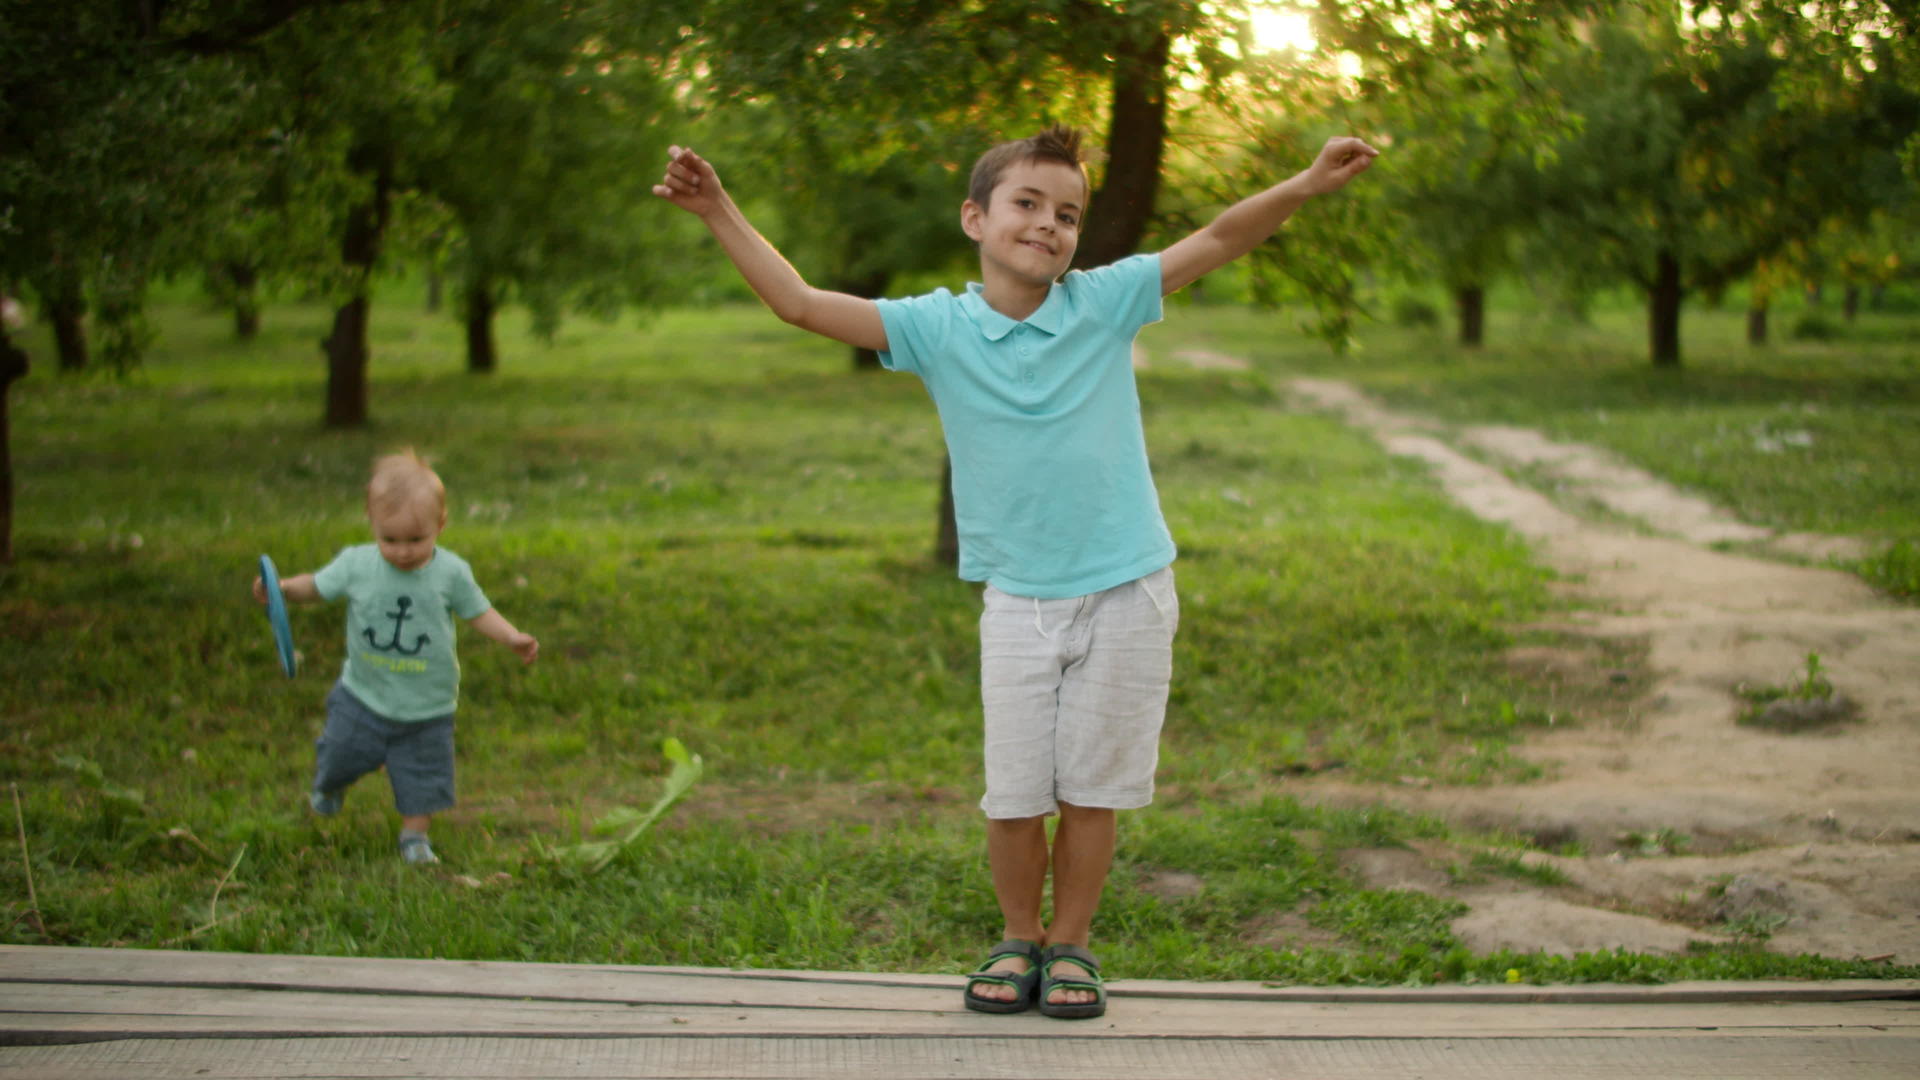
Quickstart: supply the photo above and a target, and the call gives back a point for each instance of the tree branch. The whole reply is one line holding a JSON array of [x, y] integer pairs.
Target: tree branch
[[241, 32]]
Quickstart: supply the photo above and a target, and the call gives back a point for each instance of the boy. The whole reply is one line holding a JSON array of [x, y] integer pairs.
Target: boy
[[394, 702], [1031, 373]]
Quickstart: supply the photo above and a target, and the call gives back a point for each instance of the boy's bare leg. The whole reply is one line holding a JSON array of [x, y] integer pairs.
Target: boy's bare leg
[[416, 823], [1082, 856], [1017, 856]]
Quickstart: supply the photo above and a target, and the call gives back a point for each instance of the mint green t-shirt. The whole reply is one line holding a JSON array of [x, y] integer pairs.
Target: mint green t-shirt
[[400, 657], [1052, 491]]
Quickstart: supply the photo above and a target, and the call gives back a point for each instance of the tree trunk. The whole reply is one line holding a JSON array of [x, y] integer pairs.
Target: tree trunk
[[1663, 312], [13, 365], [1471, 302], [481, 356], [946, 539], [67, 310], [433, 292], [1850, 304], [1136, 139], [246, 300], [1757, 323], [873, 286], [346, 347]]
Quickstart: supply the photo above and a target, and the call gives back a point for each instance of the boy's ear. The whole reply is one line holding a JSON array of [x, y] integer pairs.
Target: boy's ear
[[970, 215]]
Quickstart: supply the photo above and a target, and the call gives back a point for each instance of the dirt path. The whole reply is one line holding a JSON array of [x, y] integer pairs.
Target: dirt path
[[1694, 827]]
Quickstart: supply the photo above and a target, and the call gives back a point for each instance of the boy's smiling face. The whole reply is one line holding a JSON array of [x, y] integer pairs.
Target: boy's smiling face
[[1032, 227]]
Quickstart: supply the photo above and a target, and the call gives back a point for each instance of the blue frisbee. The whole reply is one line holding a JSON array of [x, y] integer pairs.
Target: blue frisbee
[[277, 616]]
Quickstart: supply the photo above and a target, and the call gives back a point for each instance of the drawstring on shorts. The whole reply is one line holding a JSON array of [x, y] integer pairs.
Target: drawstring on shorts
[[1157, 605]]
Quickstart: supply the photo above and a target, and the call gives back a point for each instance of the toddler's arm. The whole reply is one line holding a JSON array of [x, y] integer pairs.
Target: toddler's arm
[[298, 588], [691, 184], [495, 625], [1242, 226]]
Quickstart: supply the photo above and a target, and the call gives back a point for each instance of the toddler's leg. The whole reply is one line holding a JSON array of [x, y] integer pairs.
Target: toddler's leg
[[420, 768], [349, 747]]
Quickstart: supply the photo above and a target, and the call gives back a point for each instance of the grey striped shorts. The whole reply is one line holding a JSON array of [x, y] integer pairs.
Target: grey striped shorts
[[1075, 692]]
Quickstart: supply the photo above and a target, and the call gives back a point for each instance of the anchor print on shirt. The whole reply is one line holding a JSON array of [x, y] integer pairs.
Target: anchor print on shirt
[[399, 617]]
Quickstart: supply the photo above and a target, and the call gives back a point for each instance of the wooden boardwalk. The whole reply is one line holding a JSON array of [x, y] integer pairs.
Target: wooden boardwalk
[[131, 1014]]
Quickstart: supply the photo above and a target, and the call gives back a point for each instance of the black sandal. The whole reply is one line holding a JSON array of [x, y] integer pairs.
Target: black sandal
[[1023, 983], [1075, 1010]]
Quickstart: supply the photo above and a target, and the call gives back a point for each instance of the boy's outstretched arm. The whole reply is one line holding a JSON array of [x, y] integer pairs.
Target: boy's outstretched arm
[[691, 184], [1241, 227]]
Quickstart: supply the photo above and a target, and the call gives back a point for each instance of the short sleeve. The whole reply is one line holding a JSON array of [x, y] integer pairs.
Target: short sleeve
[[464, 597], [915, 328], [1130, 289], [334, 579]]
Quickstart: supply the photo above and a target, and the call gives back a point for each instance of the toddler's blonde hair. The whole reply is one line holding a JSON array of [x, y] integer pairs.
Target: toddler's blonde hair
[[402, 479]]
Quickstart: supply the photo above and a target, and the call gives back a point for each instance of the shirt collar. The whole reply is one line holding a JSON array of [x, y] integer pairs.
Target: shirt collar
[[994, 326]]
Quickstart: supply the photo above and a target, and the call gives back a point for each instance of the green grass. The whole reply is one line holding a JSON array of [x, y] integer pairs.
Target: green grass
[[1798, 435], [722, 536]]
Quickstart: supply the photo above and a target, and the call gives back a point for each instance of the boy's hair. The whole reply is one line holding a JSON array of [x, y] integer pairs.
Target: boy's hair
[[403, 479], [1056, 144]]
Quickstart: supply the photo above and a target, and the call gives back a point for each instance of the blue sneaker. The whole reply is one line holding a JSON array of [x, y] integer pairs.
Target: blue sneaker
[[324, 804], [415, 849]]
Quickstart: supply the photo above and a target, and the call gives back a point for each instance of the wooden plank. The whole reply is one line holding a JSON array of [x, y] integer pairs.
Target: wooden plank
[[573, 982], [1060, 1058], [51, 1012], [587, 982]]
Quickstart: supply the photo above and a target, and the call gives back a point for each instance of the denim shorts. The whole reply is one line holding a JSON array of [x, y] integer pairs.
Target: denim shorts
[[1075, 691], [418, 754]]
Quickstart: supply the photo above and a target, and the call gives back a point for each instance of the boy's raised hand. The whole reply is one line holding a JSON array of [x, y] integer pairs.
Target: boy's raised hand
[[690, 182], [1343, 158]]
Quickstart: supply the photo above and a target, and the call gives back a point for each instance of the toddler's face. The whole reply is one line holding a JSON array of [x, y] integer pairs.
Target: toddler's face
[[406, 533]]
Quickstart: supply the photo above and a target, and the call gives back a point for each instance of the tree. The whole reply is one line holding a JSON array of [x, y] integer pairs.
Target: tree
[[126, 132], [550, 125], [1690, 168]]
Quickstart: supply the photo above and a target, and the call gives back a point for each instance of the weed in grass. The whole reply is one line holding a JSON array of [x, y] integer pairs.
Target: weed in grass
[[1807, 703], [1754, 928], [1895, 570], [1502, 864], [1654, 843]]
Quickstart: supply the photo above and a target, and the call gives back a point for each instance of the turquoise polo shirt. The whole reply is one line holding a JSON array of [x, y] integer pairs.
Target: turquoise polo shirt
[[401, 661], [1052, 493]]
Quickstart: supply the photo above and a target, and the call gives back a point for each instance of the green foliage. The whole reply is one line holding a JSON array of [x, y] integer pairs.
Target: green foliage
[[1895, 570], [1412, 311], [1814, 326], [630, 822]]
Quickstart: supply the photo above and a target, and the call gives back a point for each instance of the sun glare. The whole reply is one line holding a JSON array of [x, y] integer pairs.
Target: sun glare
[[1276, 29]]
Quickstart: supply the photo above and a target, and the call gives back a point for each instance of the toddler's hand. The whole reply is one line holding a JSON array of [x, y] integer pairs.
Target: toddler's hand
[[259, 591], [525, 646]]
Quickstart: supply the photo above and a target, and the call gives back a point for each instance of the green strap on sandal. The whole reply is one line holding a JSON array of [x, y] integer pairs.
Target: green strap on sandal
[[1078, 1010], [1023, 982]]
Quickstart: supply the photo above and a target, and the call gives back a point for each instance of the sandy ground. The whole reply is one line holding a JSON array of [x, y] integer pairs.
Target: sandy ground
[[1694, 828]]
